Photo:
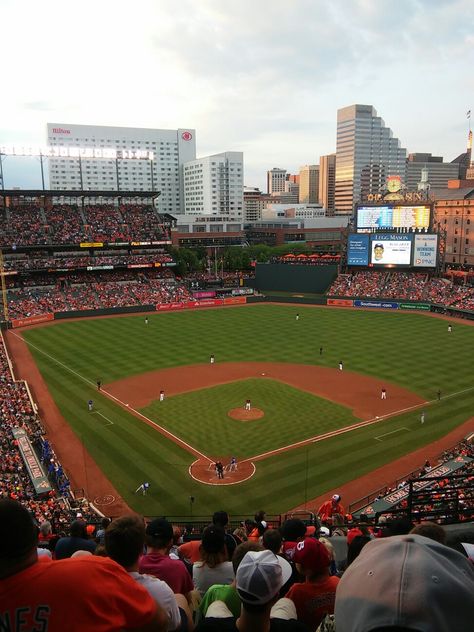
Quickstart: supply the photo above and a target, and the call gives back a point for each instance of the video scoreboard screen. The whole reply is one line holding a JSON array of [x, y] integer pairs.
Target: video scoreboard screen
[[416, 250], [372, 218]]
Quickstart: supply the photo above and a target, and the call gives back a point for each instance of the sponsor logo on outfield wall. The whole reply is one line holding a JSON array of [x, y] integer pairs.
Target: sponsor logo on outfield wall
[[31, 320], [340, 302]]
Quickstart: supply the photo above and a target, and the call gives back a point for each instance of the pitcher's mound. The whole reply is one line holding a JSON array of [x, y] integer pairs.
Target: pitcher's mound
[[246, 415]]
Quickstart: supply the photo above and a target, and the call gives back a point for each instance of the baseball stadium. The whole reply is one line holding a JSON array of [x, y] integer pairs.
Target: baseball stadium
[[276, 384]]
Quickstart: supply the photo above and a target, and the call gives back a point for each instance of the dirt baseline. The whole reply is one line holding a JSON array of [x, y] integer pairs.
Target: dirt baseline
[[360, 393]]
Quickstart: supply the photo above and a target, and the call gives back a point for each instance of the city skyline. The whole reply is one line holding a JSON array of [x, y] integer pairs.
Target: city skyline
[[266, 79]]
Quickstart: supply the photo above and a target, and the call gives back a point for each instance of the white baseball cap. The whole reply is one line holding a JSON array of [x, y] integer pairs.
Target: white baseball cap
[[260, 576]]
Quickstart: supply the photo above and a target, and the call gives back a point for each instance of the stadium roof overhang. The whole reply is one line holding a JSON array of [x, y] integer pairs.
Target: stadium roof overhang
[[32, 193]]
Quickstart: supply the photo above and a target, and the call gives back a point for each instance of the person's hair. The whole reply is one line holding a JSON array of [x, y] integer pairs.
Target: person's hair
[[400, 526], [220, 518], [176, 534], [100, 551], [329, 547], [18, 535], [355, 547], [104, 523], [260, 515], [271, 540], [78, 529], [45, 528], [241, 550], [213, 549], [157, 542], [253, 608], [431, 530], [124, 540]]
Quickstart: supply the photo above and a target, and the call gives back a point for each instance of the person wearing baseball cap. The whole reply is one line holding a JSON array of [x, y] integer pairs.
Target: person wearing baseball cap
[[331, 507], [259, 578], [409, 583], [316, 596], [157, 562]]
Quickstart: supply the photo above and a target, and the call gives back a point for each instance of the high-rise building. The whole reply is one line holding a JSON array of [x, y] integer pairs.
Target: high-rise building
[[327, 181], [213, 185], [439, 172], [254, 203], [276, 179], [366, 153], [164, 173], [309, 184]]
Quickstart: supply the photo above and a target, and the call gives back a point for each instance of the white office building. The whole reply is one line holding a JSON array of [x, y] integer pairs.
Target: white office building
[[214, 185], [148, 160]]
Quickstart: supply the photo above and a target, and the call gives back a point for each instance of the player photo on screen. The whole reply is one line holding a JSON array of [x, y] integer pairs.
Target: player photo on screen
[[385, 252]]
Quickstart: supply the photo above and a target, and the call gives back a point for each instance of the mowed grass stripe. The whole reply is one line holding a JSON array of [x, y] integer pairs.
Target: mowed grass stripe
[[413, 351], [291, 415]]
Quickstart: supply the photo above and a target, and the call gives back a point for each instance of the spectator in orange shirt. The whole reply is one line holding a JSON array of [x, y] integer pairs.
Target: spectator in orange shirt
[[331, 507]]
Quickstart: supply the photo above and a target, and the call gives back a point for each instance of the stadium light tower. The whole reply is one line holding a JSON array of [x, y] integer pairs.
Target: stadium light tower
[[4, 288]]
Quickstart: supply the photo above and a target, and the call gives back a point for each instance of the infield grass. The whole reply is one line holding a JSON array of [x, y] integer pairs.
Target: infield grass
[[412, 350]]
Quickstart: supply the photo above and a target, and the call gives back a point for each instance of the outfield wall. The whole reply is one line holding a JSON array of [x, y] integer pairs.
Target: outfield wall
[[285, 277]]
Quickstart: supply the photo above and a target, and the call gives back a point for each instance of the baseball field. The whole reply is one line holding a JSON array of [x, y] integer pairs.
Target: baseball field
[[317, 428]]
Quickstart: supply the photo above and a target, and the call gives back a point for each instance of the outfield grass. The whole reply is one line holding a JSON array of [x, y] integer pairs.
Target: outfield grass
[[409, 349]]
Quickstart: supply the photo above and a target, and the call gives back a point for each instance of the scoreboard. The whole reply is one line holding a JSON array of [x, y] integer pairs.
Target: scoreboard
[[418, 250]]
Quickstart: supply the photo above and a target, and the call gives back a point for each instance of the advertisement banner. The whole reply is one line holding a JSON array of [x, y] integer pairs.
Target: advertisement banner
[[242, 291], [235, 300], [425, 251], [390, 249], [91, 244], [31, 320], [358, 250], [204, 294], [376, 304], [340, 302], [31, 461], [140, 265], [424, 306], [90, 268], [161, 307], [210, 302]]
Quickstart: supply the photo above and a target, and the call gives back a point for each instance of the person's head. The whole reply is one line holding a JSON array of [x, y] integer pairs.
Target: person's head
[[259, 578], [260, 515], [220, 518], [406, 582], [293, 530], [18, 538], [431, 530], [378, 252], [335, 499], [241, 551], [159, 534], [271, 540], [355, 546], [399, 526], [240, 533], [45, 529], [213, 549], [177, 535], [78, 529], [104, 523], [124, 540], [312, 558]]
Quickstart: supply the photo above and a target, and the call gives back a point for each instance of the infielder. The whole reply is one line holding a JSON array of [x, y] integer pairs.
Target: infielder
[[383, 394], [162, 396], [143, 488], [248, 404], [212, 359], [90, 405], [341, 366]]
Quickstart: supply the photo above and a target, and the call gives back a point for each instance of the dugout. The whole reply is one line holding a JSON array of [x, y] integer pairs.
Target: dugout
[[284, 277]]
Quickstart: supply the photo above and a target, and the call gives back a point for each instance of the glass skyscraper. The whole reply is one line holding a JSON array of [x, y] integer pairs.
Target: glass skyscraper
[[366, 153]]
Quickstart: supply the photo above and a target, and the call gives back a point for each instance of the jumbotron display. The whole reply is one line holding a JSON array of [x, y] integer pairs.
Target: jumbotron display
[[392, 249], [391, 217]]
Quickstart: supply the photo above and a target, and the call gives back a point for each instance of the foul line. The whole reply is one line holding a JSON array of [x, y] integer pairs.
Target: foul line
[[379, 438], [190, 448], [135, 412], [96, 412]]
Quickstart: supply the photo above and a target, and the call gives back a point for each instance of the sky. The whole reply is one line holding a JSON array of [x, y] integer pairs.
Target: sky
[[259, 76]]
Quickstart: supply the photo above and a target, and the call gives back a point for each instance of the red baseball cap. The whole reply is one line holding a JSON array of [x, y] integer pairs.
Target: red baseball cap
[[312, 555], [353, 533]]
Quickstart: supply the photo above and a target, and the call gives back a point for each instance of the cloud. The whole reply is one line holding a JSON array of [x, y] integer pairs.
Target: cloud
[[262, 76]]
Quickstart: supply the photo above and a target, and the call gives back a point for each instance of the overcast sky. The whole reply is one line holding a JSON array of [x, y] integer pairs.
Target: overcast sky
[[265, 77]]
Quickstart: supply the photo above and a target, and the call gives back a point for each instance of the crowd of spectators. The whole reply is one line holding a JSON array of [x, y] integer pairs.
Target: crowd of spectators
[[293, 577], [22, 262], [96, 290], [16, 411], [29, 225], [414, 286]]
